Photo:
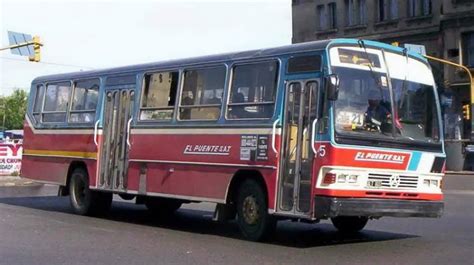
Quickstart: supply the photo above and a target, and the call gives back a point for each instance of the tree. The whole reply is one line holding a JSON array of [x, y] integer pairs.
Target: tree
[[13, 108]]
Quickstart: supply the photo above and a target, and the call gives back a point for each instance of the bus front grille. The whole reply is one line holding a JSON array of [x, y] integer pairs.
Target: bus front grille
[[392, 181]]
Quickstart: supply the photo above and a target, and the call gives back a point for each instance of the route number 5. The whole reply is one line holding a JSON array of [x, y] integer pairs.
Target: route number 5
[[322, 151]]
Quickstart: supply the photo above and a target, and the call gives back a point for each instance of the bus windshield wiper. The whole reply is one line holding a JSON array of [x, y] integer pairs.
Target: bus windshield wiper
[[374, 76], [404, 82]]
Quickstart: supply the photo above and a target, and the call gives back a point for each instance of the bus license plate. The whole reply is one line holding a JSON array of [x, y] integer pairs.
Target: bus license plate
[[374, 183]]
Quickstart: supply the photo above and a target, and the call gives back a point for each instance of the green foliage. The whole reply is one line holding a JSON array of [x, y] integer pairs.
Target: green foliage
[[13, 108]]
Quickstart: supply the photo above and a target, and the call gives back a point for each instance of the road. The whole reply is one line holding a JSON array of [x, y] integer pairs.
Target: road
[[37, 227]]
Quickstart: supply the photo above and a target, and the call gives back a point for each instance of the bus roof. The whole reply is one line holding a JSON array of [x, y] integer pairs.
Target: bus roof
[[235, 56], [252, 54]]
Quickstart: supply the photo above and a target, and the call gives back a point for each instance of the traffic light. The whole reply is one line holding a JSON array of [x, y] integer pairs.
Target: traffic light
[[36, 47], [466, 111]]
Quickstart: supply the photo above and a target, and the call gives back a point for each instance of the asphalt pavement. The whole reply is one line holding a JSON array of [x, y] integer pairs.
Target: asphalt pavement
[[36, 227]]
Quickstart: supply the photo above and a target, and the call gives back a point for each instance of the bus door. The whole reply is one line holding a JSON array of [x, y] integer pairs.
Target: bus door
[[116, 121], [297, 156]]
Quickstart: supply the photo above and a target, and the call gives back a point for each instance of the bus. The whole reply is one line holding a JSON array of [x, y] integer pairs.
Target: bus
[[347, 130]]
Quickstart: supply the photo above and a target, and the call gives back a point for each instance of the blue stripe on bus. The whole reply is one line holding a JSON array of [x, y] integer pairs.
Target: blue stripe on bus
[[415, 160]]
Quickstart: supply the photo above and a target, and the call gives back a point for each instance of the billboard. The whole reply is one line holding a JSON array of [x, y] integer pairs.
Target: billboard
[[10, 157]]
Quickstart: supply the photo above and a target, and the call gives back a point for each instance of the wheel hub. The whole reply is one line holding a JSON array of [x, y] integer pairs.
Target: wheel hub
[[250, 210]]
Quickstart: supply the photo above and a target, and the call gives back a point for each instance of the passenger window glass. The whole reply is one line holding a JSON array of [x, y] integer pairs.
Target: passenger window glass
[[304, 64], [38, 103], [56, 102], [201, 98], [253, 91], [159, 96], [84, 101]]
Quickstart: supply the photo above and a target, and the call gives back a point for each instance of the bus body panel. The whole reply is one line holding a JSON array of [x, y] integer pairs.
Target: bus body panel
[[195, 165], [49, 153]]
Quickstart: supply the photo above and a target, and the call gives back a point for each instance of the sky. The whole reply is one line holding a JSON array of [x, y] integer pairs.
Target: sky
[[94, 34]]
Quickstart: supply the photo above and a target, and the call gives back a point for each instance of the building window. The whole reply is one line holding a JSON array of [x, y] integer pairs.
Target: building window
[[362, 12], [201, 98], [253, 91], [321, 17], [84, 101], [159, 96], [326, 17], [417, 8], [387, 10], [468, 48], [351, 13], [332, 22], [356, 12]]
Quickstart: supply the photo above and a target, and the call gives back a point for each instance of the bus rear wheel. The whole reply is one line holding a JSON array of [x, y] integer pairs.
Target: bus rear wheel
[[252, 212], [85, 201], [349, 224]]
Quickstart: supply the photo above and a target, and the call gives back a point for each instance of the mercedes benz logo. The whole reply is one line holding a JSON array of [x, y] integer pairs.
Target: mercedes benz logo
[[394, 181]]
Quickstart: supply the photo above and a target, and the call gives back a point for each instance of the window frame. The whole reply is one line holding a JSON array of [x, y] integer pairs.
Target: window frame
[[298, 55], [33, 113], [321, 17], [142, 90], [363, 12], [230, 83], [390, 8], [71, 98], [331, 15], [56, 112], [466, 44], [181, 88]]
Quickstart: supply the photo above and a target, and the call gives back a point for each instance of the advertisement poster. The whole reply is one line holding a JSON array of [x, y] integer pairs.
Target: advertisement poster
[[10, 157]]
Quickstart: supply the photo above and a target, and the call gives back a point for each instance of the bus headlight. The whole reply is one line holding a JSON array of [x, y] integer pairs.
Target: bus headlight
[[431, 183], [341, 178], [352, 179], [426, 182]]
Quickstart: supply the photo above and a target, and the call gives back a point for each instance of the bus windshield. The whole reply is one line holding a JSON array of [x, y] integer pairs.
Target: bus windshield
[[369, 106]]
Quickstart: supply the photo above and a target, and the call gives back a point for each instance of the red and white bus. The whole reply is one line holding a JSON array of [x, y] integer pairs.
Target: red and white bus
[[346, 130]]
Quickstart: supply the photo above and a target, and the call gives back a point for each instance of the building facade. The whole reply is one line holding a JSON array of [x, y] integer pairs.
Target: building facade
[[444, 27]]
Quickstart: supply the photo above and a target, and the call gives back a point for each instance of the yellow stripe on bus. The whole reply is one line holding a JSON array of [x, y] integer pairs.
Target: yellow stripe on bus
[[77, 154]]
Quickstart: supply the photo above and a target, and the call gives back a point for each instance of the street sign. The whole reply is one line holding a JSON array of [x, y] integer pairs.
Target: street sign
[[416, 48], [16, 38]]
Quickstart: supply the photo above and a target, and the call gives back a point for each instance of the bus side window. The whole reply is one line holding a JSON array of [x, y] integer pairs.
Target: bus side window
[[159, 96], [38, 104], [84, 101], [56, 102], [201, 98], [253, 91]]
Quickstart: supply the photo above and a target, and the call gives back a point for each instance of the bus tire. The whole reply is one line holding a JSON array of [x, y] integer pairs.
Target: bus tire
[[83, 200], [252, 212], [162, 206], [349, 224]]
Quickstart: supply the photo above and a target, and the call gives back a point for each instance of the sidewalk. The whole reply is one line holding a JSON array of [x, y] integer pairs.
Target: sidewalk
[[11, 181]]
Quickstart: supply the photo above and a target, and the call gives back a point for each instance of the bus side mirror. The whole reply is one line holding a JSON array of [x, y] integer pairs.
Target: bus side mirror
[[332, 86]]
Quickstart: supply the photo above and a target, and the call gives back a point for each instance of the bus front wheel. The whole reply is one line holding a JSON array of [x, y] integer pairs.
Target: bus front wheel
[[83, 200], [252, 212], [349, 224]]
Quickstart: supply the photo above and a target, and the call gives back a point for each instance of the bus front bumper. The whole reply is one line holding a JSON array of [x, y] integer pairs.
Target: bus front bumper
[[328, 207]]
